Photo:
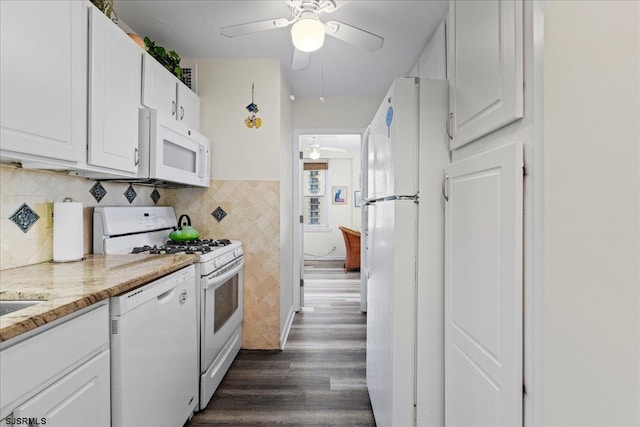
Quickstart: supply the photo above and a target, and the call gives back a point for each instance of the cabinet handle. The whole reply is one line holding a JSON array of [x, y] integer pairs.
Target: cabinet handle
[[444, 187], [181, 112], [449, 119], [136, 156], [173, 107]]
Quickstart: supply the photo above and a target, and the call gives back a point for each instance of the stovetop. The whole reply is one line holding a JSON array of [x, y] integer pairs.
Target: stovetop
[[198, 247]]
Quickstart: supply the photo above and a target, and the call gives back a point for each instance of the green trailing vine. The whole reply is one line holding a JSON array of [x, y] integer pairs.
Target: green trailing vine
[[170, 60], [105, 6]]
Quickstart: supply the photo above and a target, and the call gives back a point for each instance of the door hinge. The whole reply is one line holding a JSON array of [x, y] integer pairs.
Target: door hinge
[[524, 389], [301, 155], [524, 170], [445, 180], [302, 283], [301, 219]]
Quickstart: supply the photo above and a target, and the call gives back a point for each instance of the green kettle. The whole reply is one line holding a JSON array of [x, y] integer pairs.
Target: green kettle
[[184, 232]]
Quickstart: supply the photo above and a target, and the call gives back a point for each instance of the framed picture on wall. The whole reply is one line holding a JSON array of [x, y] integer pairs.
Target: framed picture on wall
[[339, 195], [357, 199]]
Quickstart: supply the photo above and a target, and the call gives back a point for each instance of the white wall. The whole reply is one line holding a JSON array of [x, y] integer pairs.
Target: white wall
[[344, 170], [286, 209], [592, 200], [334, 113], [237, 151], [432, 63]]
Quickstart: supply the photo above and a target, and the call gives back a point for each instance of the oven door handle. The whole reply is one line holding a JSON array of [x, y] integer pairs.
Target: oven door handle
[[213, 280]]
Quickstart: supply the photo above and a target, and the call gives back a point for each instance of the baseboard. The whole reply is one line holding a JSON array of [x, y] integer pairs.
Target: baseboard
[[287, 327], [324, 258]]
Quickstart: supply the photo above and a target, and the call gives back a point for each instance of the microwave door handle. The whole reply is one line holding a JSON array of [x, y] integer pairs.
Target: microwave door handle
[[203, 162]]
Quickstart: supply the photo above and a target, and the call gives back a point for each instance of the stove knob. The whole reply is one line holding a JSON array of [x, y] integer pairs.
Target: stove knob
[[216, 263], [237, 252]]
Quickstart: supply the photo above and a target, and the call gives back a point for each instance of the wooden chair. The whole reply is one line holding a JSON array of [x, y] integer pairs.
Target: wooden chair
[[352, 243]]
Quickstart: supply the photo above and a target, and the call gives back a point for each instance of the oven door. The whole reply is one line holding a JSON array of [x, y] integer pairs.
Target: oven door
[[222, 311], [177, 153]]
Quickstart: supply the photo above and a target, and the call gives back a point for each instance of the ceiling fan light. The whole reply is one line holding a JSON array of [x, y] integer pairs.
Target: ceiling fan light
[[307, 33], [314, 154]]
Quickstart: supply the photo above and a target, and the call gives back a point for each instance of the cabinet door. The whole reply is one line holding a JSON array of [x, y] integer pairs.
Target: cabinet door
[[115, 70], [483, 290], [189, 107], [158, 87], [81, 398], [43, 78], [485, 67]]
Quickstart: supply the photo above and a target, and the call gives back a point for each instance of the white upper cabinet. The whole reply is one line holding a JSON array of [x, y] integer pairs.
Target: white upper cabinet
[[115, 67], [188, 106], [485, 67], [162, 91], [43, 81]]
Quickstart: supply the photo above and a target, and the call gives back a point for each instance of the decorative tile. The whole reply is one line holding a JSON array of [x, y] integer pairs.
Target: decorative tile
[[24, 217], [155, 196], [98, 191], [130, 194], [219, 214]]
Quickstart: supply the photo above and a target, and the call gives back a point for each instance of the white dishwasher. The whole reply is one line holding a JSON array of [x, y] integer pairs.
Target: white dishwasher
[[154, 353]]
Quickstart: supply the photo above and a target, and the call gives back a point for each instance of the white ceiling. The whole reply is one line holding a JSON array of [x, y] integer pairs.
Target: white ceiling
[[330, 142], [192, 29]]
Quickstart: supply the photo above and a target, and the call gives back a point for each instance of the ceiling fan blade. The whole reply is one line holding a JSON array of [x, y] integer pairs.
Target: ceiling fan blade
[[253, 27], [355, 36], [334, 149], [300, 60]]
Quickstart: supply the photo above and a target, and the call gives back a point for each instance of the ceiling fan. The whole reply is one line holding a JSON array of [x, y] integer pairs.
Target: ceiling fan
[[315, 149], [308, 31]]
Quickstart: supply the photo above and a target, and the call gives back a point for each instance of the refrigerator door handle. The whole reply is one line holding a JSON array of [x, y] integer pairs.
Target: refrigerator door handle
[[364, 160]]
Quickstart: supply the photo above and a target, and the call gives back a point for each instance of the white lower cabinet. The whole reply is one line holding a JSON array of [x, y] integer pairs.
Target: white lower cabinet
[[61, 375], [80, 398]]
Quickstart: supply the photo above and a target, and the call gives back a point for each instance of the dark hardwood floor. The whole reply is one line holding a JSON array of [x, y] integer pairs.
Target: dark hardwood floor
[[319, 378]]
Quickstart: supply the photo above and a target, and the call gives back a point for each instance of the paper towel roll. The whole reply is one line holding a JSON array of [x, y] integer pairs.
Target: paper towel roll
[[68, 241]]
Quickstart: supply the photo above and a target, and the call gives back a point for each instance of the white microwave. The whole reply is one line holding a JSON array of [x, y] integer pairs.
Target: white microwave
[[171, 152]]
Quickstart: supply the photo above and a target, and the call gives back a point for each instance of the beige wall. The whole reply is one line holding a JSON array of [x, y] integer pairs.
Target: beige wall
[[35, 188], [250, 181], [224, 86], [592, 200]]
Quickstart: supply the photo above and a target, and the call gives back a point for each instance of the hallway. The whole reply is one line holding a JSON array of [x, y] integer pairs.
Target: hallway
[[318, 380]]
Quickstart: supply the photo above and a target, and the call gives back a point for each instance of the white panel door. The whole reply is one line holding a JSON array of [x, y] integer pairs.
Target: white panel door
[[43, 78], [485, 67], [79, 399], [483, 290], [158, 87], [188, 106], [115, 70]]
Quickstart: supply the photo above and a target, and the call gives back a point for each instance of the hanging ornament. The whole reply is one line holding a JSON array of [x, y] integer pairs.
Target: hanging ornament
[[252, 121]]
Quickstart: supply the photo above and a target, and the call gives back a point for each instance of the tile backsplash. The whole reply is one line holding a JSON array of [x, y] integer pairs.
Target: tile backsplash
[[35, 189], [248, 211], [240, 209]]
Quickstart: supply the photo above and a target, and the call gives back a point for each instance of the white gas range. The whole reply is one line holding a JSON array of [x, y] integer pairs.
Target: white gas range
[[219, 272]]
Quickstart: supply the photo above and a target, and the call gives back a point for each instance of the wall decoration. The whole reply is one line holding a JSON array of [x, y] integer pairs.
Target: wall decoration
[[219, 214], [130, 194], [155, 196], [339, 195], [252, 121], [24, 217], [98, 191], [357, 199]]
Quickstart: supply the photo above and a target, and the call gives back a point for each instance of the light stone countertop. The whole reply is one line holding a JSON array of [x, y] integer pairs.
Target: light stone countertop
[[67, 287]]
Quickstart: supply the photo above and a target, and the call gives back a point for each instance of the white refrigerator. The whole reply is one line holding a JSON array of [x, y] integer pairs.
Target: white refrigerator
[[404, 157]]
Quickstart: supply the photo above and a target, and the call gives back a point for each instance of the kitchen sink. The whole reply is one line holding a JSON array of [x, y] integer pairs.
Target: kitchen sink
[[9, 306]]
